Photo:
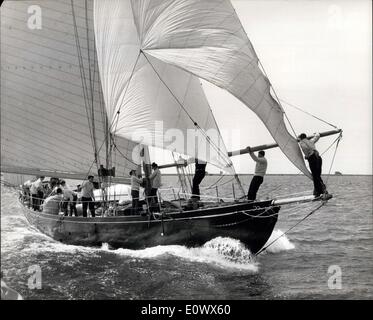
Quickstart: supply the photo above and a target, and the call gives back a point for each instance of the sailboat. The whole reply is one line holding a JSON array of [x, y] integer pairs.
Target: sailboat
[[91, 85]]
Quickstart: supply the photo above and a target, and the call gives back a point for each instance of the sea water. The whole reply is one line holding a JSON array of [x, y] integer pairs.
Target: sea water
[[329, 255]]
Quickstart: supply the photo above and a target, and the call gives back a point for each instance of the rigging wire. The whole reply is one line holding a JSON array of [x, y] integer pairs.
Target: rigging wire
[[310, 114], [291, 228], [125, 157], [84, 84], [91, 83], [89, 96], [212, 144], [335, 152], [116, 117]]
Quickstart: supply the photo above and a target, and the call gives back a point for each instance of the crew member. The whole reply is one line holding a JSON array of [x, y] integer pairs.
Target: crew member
[[52, 204], [135, 191], [314, 161], [37, 193], [88, 196], [260, 171], [199, 174], [156, 181]]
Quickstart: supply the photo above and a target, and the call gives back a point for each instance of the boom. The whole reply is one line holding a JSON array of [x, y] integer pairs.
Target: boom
[[275, 145]]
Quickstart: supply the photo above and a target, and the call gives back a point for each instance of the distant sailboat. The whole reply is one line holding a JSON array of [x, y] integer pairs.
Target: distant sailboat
[[93, 85]]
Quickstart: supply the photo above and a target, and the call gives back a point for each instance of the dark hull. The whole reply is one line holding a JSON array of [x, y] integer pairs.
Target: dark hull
[[251, 223]]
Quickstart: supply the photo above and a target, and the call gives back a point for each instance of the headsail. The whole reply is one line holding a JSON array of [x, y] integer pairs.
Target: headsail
[[207, 39], [44, 123], [146, 97]]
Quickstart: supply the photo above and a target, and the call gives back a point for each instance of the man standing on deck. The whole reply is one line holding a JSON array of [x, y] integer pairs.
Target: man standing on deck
[[155, 179], [26, 192], [135, 191], [199, 174], [88, 197], [260, 171], [68, 197], [314, 161]]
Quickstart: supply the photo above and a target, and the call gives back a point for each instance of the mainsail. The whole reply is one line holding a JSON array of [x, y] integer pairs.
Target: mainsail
[[49, 116], [200, 38]]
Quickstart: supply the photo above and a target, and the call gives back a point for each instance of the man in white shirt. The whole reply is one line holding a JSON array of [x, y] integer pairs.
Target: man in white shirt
[[26, 192], [260, 171], [314, 161], [88, 197], [37, 193], [68, 197]]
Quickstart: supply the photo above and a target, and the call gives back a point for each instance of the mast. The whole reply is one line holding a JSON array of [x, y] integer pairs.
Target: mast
[[144, 154]]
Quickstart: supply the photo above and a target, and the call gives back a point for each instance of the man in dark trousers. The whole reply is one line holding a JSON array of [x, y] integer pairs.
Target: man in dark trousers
[[88, 196], [314, 161], [260, 171], [156, 181], [199, 174]]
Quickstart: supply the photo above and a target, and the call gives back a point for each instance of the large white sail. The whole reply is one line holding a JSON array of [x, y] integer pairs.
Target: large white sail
[[206, 38], [146, 97], [45, 119]]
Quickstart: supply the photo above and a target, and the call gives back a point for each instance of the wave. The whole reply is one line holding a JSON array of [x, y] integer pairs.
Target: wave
[[222, 252], [281, 244]]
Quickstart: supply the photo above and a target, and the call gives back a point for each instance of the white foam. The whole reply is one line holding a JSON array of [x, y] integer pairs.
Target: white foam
[[221, 252], [281, 244], [225, 253]]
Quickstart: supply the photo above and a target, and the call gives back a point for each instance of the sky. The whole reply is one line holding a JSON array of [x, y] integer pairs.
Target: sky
[[318, 57]]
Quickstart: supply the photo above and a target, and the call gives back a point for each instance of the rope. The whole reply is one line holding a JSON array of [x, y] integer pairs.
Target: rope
[[335, 152], [278, 99], [116, 117], [91, 84], [291, 105], [121, 153], [82, 76], [308, 215]]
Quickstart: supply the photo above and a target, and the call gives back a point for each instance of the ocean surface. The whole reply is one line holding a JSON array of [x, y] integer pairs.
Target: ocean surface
[[327, 256]]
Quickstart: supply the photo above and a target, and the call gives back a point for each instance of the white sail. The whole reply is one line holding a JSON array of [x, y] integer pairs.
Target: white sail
[[44, 112], [207, 39], [146, 97]]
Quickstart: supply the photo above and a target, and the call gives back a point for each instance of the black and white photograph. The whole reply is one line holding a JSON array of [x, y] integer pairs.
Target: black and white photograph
[[186, 150]]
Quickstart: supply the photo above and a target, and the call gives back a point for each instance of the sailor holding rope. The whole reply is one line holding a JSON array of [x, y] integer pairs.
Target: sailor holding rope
[[260, 171], [314, 161]]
